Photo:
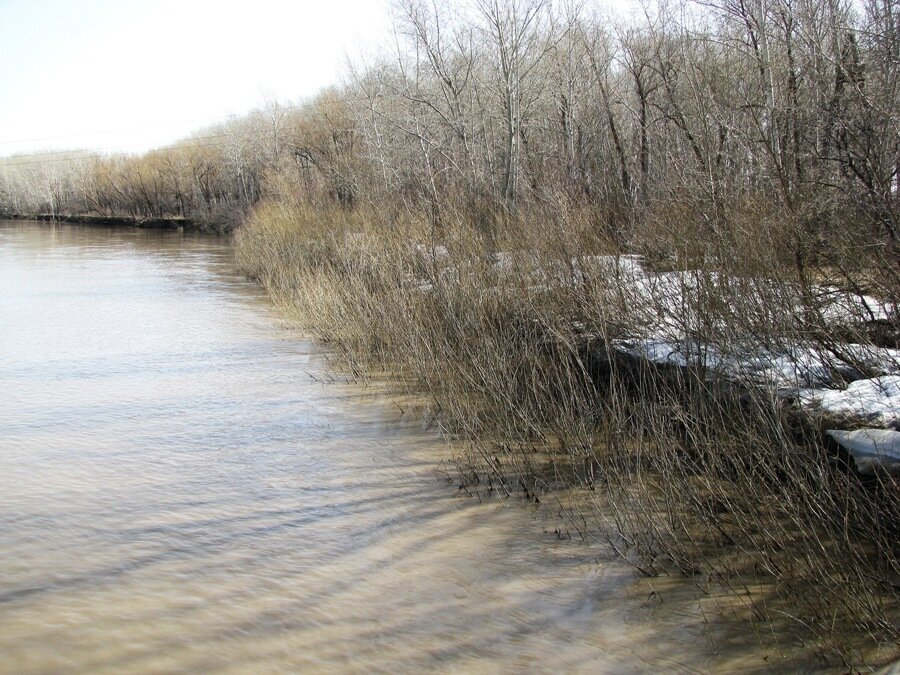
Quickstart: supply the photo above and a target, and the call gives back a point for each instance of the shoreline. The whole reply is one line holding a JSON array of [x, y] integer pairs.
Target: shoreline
[[592, 380], [167, 223]]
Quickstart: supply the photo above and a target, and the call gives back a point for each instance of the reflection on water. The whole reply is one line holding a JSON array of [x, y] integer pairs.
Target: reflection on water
[[179, 492]]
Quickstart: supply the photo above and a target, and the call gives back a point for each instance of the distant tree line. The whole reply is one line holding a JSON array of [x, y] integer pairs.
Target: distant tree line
[[212, 175], [714, 116]]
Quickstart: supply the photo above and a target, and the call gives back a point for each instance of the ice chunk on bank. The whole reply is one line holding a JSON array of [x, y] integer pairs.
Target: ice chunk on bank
[[871, 448]]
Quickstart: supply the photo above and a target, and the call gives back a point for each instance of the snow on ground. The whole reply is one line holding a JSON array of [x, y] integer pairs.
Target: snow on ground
[[839, 305], [811, 371], [805, 371], [877, 398], [664, 313], [871, 448], [436, 252], [794, 367]]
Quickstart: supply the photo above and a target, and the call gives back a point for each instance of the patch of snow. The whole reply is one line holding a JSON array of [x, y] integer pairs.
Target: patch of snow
[[502, 261], [624, 266], [664, 311], [871, 448], [437, 252], [661, 352], [877, 398], [800, 366], [840, 306]]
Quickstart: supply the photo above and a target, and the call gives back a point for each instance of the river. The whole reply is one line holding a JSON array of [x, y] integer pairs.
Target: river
[[184, 488]]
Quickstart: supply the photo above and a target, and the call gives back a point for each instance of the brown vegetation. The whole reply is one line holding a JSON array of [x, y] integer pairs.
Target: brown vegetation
[[493, 174], [680, 469], [522, 202]]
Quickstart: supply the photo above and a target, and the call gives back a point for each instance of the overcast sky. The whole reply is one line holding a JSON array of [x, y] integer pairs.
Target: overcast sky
[[134, 74]]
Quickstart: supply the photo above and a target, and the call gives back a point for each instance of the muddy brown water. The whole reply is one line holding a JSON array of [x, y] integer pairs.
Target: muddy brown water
[[182, 489]]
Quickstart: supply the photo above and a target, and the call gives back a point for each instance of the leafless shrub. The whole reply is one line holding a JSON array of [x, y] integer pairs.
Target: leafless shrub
[[682, 468]]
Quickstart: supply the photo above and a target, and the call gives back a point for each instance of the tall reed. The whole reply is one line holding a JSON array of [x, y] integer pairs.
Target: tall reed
[[532, 336]]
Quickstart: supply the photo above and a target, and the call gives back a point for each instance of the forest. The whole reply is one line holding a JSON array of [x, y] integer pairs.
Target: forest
[[646, 270]]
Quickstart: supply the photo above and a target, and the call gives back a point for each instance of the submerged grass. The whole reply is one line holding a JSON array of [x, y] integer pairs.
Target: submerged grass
[[523, 336]]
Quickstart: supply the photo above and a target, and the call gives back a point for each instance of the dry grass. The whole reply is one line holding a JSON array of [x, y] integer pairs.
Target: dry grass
[[682, 470]]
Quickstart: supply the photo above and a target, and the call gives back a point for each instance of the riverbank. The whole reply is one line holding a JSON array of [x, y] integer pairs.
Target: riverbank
[[169, 223], [184, 488], [675, 415]]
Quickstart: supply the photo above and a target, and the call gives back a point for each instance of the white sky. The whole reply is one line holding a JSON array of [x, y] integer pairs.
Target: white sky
[[130, 75], [135, 74]]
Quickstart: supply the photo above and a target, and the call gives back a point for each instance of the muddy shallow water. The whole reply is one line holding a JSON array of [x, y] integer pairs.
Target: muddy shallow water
[[181, 489]]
